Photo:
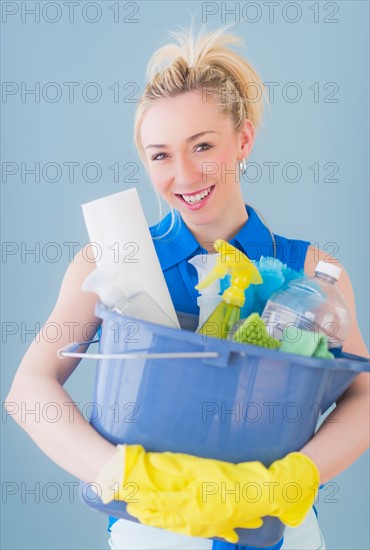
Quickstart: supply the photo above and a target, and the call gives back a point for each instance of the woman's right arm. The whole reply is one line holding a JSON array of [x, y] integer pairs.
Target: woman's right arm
[[71, 442]]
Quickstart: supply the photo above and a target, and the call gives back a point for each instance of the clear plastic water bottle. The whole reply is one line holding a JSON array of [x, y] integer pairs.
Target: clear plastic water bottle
[[311, 303]]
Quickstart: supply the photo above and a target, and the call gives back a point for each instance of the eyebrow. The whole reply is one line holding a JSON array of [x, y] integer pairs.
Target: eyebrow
[[188, 140]]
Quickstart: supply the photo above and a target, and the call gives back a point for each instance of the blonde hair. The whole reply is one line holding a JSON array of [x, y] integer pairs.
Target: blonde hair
[[205, 64]]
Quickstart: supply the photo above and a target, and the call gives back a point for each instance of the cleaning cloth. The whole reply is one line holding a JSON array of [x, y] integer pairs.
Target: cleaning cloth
[[311, 344]]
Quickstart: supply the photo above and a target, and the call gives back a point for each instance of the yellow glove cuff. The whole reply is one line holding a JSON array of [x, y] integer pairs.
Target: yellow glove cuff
[[111, 477], [299, 478], [309, 475]]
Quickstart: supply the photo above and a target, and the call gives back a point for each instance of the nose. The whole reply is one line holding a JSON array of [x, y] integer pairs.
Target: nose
[[188, 173]]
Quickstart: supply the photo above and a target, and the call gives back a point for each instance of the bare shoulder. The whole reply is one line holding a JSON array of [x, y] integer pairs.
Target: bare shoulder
[[78, 270], [354, 343]]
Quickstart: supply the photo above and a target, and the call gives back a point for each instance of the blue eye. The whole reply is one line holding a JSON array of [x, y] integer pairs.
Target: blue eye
[[155, 157], [207, 145], [204, 146]]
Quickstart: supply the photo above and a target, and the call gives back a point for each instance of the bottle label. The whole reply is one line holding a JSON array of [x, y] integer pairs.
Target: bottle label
[[276, 318]]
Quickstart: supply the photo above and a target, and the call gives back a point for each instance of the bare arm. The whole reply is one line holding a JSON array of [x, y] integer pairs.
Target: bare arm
[[70, 442], [344, 435]]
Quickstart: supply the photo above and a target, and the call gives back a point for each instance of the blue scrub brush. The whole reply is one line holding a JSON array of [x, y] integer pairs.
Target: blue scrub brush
[[275, 274]]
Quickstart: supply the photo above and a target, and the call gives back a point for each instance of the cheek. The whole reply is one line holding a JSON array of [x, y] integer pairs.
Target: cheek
[[159, 183], [225, 158], [226, 168]]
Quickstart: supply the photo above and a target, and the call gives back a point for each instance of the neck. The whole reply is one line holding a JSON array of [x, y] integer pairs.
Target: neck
[[206, 235]]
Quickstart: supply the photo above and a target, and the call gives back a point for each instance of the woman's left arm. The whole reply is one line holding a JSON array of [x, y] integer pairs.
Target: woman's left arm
[[344, 435]]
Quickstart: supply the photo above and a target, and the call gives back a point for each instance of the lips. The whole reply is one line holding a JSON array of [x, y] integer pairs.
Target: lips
[[197, 199]]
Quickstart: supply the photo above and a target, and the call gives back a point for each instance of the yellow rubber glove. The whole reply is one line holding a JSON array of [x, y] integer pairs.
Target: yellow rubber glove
[[205, 497], [131, 470]]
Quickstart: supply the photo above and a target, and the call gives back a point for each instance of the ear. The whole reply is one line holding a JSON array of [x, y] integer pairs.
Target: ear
[[246, 139]]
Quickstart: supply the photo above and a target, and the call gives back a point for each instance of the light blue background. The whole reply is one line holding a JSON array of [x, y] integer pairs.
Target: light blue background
[[305, 132]]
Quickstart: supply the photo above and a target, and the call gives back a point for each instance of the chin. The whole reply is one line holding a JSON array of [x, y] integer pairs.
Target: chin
[[199, 218]]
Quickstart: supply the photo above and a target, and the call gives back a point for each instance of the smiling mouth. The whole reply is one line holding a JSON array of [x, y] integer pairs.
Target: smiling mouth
[[196, 197]]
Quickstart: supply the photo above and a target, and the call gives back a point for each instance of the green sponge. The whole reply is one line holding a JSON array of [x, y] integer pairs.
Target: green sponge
[[253, 331]]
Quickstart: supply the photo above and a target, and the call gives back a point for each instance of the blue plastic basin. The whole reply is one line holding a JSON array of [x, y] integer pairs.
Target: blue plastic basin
[[249, 403]]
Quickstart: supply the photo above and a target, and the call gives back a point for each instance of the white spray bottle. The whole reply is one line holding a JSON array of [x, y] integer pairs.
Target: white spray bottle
[[210, 297]]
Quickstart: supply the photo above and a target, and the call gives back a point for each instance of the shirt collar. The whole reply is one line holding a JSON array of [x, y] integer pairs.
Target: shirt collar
[[177, 245], [254, 239]]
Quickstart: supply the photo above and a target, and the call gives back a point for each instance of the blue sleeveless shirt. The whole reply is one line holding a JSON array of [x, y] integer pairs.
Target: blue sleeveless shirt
[[254, 239], [179, 245]]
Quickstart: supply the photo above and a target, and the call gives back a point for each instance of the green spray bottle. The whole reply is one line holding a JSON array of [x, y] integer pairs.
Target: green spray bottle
[[243, 273]]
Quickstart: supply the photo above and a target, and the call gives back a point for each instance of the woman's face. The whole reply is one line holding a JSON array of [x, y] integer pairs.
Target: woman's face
[[193, 156]]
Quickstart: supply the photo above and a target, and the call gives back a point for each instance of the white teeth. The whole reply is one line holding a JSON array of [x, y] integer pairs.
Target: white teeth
[[196, 198]]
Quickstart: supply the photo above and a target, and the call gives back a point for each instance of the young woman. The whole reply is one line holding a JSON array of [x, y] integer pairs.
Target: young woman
[[194, 129]]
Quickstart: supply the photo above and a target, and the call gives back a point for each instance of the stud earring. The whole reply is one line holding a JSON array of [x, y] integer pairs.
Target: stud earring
[[243, 166]]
